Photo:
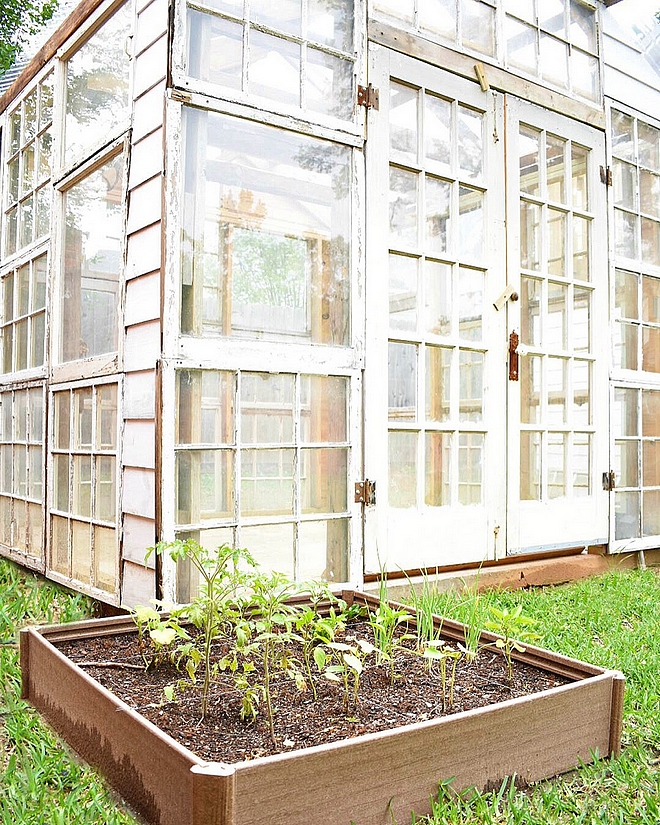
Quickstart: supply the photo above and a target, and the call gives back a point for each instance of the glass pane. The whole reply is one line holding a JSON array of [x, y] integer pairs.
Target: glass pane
[[553, 61], [81, 550], [651, 513], [438, 17], [331, 22], [7, 455], [15, 131], [324, 480], [60, 545], [324, 403], [624, 184], [402, 384], [438, 215], [20, 416], [21, 345], [438, 383], [323, 550], [274, 68], [20, 471], [26, 219], [61, 482], [580, 179], [625, 234], [30, 116], [521, 8], [437, 298], [626, 463], [556, 242], [7, 343], [403, 292], [557, 443], [403, 206], [583, 27], [82, 486], [470, 467], [28, 169], [551, 16], [471, 386], [624, 412], [403, 122], [556, 334], [35, 470], [97, 83], [38, 300], [581, 325], [623, 135], [215, 49], [581, 393], [649, 146], [651, 464], [651, 413], [530, 311], [530, 466], [650, 299], [625, 294], [520, 45], [478, 26], [92, 263], [651, 349], [204, 485], [46, 101], [437, 129], [400, 10], [556, 168], [105, 558], [329, 84], [43, 167], [627, 515], [437, 469], [530, 389], [529, 160], [650, 193], [585, 74], [62, 402], [470, 303], [581, 464], [205, 407], [530, 238], [82, 425], [267, 482], [626, 345], [470, 142], [557, 390], [11, 230], [581, 248], [35, 519], [264, 258], [105, 491], [651, 242], [271, 546], [36, 411], [402, 469], [267, 408], [471, 224], [285, 15], [12, 180]]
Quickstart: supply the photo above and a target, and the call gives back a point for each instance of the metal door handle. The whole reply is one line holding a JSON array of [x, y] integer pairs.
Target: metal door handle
[[513, 356]]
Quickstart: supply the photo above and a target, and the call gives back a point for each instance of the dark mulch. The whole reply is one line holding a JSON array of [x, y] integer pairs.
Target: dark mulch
[[301, 722]]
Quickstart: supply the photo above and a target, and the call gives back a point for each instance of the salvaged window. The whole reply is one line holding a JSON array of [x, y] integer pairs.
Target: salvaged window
[[553, 40], [23, 327], [556, 305], [437, 277], [21, 470], [97, 84], [84, 485], [92, 254], [261, 461], [266, 239], [27, 156], [297, 53]]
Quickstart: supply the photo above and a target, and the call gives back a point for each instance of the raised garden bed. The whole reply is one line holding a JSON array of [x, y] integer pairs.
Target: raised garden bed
[[367, 778]]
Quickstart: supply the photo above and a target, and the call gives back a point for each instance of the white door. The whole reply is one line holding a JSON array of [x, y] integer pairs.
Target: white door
[[435, 374], [557, 262]]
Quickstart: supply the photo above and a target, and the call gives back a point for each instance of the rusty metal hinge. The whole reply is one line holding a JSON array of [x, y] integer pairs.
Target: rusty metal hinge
[[365, 492], [606, 175], [514, 340], [369, 97], [609, 481]]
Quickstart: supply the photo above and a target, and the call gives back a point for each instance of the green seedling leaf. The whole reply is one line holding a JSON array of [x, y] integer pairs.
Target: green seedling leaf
[[168, 690], [353, 662], [163, 635], [319, 657]]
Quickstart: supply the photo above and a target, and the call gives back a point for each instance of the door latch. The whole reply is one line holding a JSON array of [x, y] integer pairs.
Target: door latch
[[609, 481], [513, 356], [365, 492]]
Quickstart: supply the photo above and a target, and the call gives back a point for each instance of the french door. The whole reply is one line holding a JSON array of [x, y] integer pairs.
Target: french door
[[476, 240]]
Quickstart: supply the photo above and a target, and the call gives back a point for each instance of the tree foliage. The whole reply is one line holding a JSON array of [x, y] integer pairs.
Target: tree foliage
[[19, 19]]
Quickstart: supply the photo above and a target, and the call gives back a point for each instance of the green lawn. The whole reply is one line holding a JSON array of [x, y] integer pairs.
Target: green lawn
[[611, 621]]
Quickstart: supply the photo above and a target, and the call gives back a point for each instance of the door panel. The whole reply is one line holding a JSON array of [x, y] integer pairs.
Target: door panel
[[557, 261], [435, 374]]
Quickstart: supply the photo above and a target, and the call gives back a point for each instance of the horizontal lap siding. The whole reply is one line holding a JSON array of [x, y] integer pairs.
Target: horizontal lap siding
[[142, 312]]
